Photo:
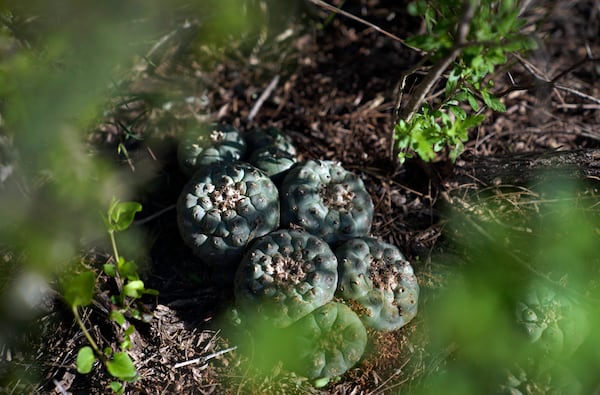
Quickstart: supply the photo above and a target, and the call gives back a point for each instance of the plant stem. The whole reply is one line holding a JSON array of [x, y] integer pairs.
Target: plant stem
[[113, 242], [87, 335]]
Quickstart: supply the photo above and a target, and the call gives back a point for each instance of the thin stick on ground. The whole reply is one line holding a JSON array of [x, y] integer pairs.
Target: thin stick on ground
[[267, 92], [205, 358]]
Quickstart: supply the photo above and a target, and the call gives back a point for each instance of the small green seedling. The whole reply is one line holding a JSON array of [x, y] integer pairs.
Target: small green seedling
[[78, 292]]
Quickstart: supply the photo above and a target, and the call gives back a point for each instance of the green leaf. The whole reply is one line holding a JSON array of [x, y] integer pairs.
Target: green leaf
[[79, 290], [458, 112], [130, 330], [117, 387], [118, 317], [452, 82], [322, 382], [472, 101], [128, 269], [109, 269], [492, 101], [135, 313], [126, 343], [121, 367], [85, 360], [134, 289], [472, 121], [121, 214]]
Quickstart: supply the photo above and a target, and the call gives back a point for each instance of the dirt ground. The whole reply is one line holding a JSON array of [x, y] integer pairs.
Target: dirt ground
[[334, 88]]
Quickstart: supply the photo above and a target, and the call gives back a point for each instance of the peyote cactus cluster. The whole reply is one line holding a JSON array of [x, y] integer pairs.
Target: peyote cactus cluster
[[551, 321], [287, 251]]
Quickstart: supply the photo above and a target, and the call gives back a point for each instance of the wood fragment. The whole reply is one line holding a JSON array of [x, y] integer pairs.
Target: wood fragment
[[533, 167]]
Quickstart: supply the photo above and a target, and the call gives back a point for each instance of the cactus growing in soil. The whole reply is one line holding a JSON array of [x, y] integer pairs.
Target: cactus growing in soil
[[272, 151], [326, 200], [376, 277], [274, 162], [551, 321], [208, 144], [327, 342], [285, 275], [223, 207], [269, 137]]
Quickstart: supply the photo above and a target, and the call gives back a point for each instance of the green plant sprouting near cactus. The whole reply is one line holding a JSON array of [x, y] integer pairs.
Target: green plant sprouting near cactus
[[78, 292], [466, 41]]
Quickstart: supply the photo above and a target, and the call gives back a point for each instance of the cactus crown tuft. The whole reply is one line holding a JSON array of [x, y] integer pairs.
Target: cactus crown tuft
[[337, 196], [217, 136], [287, 270], [226, 197], [383, 276]]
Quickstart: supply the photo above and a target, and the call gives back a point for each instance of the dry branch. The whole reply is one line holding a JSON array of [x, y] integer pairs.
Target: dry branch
[[532, 167]]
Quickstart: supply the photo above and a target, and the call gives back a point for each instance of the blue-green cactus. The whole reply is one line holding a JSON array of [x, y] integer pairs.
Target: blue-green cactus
[[274, 162], [285, 275], [272, 151], [551, 320], [208, 144], [327, 342], [270, 137], [223, 207], [536, 378], [376, 276], [326, 200]]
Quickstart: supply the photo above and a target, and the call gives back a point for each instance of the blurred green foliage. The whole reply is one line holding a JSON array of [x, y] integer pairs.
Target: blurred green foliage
[[478, 342], [61, 63]]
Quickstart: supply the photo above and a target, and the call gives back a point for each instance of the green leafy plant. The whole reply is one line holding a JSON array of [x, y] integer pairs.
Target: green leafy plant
[[465, 41], [78, 292]]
